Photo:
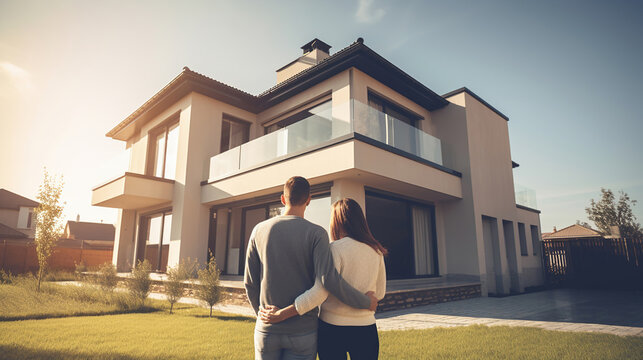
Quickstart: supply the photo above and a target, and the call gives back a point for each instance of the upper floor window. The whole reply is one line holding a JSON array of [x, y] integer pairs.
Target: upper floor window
[[234, 132], [320, 112], [163, 149], [394, 125]]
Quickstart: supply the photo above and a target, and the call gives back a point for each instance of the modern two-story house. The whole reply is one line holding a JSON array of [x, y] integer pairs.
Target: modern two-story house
[[433, 172]]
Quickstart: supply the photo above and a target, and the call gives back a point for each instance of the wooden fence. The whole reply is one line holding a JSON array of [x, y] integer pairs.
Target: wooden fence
[[20, 256], [594, 262]]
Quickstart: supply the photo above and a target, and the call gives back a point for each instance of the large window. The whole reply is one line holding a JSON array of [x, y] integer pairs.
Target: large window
[[407, 230], [396, 126], [233, 133], [164, 145]]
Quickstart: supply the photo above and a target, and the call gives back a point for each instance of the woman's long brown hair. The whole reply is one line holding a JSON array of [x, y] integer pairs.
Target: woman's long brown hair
[[347, 219]]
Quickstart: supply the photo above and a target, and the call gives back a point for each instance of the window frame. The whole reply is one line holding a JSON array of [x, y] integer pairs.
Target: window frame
[[389, 104], [231, 119], [279, 121], [152, 135]]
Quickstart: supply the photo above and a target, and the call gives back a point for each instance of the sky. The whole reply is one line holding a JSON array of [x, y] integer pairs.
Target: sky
[[568, 74]]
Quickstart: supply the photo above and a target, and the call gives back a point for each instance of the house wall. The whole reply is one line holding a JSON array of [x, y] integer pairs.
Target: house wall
[[457, 218], [531, 265], [492, 177], [9, 217], [475, 141]]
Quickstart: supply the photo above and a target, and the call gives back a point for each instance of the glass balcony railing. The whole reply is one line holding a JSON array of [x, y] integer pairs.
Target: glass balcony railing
[[322, 127], [525, 196]]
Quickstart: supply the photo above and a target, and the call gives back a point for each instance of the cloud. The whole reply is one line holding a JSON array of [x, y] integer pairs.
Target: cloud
[[12, 78], [366, 13]]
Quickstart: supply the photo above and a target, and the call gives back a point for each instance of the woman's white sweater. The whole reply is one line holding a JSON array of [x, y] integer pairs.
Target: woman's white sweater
[[362, 267]]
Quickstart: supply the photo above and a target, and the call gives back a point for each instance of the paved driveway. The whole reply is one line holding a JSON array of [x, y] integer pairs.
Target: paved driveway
[[617, 312]]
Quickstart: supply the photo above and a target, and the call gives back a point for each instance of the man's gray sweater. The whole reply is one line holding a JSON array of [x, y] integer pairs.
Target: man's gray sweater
[[284, 256]]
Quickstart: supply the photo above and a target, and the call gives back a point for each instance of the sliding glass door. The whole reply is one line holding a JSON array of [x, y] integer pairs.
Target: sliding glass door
[[407, 231]]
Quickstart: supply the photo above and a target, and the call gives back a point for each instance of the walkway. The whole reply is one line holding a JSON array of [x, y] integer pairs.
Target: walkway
[[616, 312]]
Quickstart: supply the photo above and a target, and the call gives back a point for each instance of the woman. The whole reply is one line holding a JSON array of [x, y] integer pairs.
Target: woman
[[359, 258]]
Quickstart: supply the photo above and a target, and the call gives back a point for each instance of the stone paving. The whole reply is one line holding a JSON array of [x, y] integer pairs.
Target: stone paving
[[616, 312]]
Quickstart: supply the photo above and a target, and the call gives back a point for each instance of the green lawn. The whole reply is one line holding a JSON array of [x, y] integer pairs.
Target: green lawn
[[53, 329], [20, 302], [189, 334]]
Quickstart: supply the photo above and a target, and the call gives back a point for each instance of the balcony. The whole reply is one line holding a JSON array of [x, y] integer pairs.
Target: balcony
[[133, 191], [351, 119], [525, 197]]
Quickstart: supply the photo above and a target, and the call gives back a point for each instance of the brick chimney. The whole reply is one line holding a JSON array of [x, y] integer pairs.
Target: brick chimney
[[314, 52]]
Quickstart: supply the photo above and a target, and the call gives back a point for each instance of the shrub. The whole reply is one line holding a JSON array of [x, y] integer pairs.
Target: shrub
[[209, 289], [186, 269], [80, 269], [107, 278], [5, 277], [140, 282], [59, 275]]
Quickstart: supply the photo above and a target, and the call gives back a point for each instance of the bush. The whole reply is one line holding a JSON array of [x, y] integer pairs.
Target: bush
[[80, 269], [107, 278], [139, 284], [59, 275], [175, 276], [5, 277], [209, 289]]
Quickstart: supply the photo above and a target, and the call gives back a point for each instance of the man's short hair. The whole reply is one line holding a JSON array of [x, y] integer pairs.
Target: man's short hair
[[296, 190]]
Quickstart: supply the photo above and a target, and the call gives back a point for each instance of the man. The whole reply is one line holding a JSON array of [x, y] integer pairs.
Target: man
[[285, 255]]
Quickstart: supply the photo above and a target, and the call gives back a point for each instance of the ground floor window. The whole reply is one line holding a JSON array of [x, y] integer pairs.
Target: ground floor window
[[407, 230], [154, 239]]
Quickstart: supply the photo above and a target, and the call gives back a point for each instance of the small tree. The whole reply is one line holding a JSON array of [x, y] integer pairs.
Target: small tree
[[609, 212], [48, 216], [140, 283], [175, 277], [209, 289], [107, 278]]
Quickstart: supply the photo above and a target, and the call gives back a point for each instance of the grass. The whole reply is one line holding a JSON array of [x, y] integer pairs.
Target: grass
[[53, 325], [501, 342], [189, 334], [20, 301]]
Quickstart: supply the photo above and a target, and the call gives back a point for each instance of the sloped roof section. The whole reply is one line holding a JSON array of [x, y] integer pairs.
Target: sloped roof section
[[7, 232], [11, 200], [80, 230], [356, 55], [573, 231]]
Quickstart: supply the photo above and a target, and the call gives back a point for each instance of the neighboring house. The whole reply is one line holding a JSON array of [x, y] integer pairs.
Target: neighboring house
[[575, 231], [433, 173], [81, 230], [16, 216], [88, 234]]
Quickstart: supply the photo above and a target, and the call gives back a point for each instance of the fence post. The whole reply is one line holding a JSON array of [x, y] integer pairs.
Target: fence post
[[24, 262], [4, 253], [82, 245]]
